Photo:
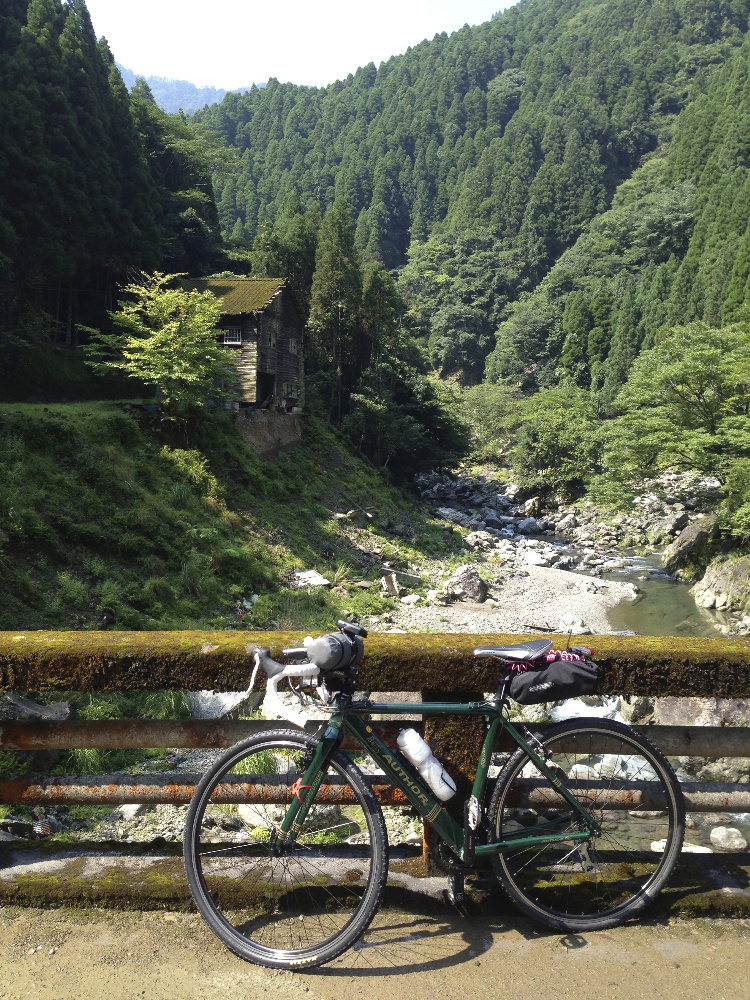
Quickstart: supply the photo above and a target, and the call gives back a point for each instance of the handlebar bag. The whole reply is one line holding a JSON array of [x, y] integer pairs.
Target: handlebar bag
[[335, 652], [554, 681]]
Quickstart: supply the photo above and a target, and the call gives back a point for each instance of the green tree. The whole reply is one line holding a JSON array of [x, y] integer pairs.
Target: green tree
[[685, 403], [169, 342], [557, 444], [337, 350]]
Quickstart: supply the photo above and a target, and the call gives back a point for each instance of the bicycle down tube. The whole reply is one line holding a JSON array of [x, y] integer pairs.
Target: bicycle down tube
[[405, 777]]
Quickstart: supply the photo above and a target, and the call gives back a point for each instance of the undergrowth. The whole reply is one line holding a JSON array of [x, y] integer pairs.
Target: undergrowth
[[110, 517]]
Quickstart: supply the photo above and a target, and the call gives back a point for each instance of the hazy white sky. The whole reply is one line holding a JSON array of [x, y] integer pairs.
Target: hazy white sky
[[233, 43]]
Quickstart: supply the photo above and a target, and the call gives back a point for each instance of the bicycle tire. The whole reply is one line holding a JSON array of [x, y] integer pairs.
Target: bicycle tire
[[619, 871], [307, 906]]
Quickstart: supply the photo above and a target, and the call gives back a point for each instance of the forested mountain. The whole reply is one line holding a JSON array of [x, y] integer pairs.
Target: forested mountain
[[177, 95], [94, 183], [673, 248], [477, 160]]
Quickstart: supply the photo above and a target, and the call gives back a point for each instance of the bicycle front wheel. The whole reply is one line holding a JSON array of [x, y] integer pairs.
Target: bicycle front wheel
[[313, 901], [629, 789]]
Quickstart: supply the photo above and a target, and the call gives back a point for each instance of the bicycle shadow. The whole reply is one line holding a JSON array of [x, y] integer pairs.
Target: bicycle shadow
[[426, 934]]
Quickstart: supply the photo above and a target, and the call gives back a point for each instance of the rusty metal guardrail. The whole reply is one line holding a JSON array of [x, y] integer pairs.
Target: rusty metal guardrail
[[437, 665]]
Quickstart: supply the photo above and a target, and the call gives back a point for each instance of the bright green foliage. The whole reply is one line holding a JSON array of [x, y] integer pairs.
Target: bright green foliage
[[170, 342], [736, 504], [685, 404], [558, 443], [551, 440]]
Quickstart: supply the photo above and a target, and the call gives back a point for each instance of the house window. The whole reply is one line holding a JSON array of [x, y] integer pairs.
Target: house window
[[272, 340], [233, 335], [292, 345]]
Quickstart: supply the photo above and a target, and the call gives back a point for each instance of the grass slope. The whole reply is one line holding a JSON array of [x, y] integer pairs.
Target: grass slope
[[105, 510]]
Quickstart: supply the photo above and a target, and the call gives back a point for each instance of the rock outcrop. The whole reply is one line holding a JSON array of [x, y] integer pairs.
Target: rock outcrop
[[725, 584], [688, 555]]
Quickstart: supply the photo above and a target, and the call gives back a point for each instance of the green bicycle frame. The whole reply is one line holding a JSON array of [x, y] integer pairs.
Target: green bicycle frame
[[405, 777]]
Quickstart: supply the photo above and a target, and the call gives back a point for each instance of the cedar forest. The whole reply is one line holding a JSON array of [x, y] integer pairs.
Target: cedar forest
[[527, 242]]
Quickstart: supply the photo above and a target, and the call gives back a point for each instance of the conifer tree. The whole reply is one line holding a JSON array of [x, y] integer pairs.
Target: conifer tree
[[337, 351]]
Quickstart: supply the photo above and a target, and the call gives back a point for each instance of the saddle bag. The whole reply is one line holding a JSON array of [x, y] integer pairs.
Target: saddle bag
[[556, 681]]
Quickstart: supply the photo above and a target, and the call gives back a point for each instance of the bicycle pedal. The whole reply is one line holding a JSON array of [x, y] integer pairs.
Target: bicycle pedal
[[455, 892]]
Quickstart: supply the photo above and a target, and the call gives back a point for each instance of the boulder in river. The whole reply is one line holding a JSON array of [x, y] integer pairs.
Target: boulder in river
[[725, 585], [728, 838], [687, 556]]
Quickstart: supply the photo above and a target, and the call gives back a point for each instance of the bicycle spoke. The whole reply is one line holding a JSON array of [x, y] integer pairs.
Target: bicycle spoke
[[604, 878], [315, 896]]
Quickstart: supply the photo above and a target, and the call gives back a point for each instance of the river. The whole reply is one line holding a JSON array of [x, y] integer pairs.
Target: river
[[665, 605]]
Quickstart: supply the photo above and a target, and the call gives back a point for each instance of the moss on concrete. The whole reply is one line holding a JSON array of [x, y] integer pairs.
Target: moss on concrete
[[160, 886], [122, 661]]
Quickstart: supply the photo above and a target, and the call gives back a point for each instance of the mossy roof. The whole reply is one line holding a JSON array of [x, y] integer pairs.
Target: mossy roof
[[239, 295]]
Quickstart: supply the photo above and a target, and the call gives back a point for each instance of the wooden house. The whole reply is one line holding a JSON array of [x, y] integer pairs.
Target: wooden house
[[261, 322]]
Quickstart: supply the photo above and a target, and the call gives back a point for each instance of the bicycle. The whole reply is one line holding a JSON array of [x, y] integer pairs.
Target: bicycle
[[286, 850]]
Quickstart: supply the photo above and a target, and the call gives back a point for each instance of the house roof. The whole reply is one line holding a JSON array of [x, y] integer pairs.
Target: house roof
[[239, 295]]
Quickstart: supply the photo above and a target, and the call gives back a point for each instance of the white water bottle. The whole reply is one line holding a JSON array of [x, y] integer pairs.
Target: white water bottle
[[419, 754]]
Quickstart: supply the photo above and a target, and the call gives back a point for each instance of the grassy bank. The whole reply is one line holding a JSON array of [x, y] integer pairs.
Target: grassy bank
[[111, 517]]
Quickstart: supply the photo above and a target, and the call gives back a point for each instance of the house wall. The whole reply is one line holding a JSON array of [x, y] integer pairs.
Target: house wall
[[269, 357], [280, 347], [246, 353]]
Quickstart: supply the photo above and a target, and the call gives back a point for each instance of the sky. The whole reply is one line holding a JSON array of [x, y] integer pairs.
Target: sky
[[234, 43]]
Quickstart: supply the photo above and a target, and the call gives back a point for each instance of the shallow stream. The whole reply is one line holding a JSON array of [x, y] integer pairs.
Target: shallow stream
[[665, 606]]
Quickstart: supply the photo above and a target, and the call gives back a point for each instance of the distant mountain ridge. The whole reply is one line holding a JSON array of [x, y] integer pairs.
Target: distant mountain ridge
[[178, 95]]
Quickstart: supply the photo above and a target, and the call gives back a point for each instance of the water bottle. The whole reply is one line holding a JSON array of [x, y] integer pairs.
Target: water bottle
[[419, 754]]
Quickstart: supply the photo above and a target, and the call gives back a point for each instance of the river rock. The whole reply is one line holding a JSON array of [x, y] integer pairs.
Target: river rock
[[725, 585], [466, 583], [660, 846], [131, 810], [726, 770], [310, 578], [214, 704], [529, 526], [636, 709], [571, 622], [481, 541], [728, 838], [439, 597], [411, 599], [674, 711], [58, 712], [496, 521], [687, 556], [532, 557]]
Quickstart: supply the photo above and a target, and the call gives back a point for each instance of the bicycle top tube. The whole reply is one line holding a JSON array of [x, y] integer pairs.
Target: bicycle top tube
[[365, 706]]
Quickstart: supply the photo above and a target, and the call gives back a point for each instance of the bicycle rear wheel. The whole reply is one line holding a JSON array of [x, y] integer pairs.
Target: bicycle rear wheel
[[629, 788], [308, 905]]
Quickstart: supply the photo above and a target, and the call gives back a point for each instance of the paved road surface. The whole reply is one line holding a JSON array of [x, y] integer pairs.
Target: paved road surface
[[93, 954]]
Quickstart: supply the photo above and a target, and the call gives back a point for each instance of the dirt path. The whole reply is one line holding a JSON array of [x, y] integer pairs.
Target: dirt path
[[74, 955]]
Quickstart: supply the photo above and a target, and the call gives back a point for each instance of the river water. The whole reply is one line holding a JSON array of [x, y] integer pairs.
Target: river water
[[665, 606]]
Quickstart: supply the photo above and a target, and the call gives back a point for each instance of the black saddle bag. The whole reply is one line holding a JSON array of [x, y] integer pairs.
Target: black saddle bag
[[554, 681]]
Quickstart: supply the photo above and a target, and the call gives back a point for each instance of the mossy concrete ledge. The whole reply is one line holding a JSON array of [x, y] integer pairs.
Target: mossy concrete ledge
[[222, 661]]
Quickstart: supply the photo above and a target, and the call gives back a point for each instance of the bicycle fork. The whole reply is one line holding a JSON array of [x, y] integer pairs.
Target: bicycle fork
[[304, 790]]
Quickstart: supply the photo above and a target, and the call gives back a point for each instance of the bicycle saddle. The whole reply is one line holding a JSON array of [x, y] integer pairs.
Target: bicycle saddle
[[523, 652]]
